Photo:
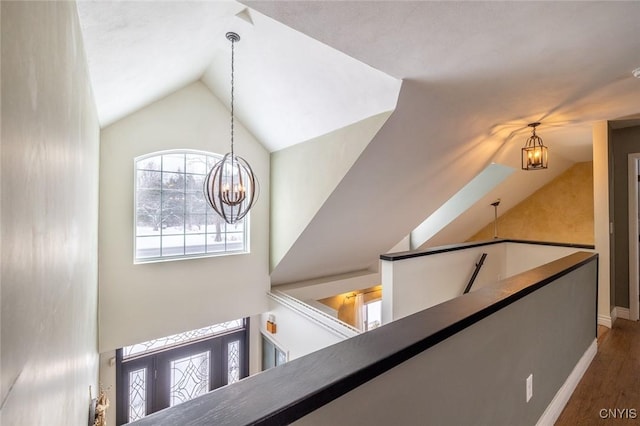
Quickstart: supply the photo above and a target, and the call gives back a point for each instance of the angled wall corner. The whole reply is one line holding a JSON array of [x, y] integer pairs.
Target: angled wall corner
[[473, 191], [304, 175]]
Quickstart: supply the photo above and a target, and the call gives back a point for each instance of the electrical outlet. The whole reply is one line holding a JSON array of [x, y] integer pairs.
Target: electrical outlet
[[529, 387]]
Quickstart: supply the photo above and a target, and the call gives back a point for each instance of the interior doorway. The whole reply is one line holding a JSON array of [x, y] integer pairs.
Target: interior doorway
[[634, 236]]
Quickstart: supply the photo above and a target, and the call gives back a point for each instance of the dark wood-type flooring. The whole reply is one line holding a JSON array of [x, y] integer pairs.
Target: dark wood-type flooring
[[611, 382]]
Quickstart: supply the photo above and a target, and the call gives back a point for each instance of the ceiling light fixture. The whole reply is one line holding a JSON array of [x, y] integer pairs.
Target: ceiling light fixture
[[534, 153], [495, 205], [231, 187]]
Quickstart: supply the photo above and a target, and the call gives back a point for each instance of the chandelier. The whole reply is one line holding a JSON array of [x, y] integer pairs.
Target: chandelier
[[231, 188], [534, 153]]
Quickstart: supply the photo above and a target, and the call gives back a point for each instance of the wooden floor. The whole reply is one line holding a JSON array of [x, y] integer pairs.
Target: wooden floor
[[612, 382]]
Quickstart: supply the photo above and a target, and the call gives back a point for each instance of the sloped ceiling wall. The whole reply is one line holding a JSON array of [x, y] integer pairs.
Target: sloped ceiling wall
[[460, 203], [304, 175], [291, 88], [409, 169]]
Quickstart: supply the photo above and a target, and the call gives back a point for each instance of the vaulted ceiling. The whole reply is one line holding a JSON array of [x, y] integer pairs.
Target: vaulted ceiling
[[473, 75], [289, 87]]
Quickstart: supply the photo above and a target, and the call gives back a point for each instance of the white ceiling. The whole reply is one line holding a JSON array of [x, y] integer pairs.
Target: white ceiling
[[289, 87], [475, 73], [557, 62], [139, 52]]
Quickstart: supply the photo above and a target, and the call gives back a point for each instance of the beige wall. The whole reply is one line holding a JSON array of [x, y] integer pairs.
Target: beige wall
[[602, 185], [139, 302], [50, 138], [561, 211]]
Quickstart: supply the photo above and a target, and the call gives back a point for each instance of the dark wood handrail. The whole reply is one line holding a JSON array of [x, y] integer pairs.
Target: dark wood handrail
[[392, 257]]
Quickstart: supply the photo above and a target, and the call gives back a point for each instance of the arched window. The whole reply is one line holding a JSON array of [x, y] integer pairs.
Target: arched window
[[172, 217]]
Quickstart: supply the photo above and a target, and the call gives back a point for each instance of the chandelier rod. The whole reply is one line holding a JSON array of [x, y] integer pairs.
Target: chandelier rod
[[233, 37]]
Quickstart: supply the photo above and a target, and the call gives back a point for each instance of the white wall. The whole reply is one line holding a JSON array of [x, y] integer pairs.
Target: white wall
[[296, 334], [50, 138], [145, 301], [522, 257], [418, 283]]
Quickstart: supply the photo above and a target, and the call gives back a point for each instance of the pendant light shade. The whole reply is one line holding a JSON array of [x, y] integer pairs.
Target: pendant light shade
[[231, 188], [534, 153]]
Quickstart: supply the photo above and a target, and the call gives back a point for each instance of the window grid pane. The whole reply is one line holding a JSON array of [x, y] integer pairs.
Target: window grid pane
[[147, 247], [170, 202], [189, 378], [137, 394]]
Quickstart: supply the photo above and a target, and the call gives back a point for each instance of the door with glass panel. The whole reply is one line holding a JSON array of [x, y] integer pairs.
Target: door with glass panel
[[167, 377]]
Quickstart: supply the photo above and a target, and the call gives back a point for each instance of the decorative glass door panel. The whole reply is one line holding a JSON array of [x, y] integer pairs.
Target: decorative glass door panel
[[189, 378], [154, 376], [233, 362], [137, 394]]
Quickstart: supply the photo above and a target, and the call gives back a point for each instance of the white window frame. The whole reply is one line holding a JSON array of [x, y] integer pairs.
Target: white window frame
[[245, 248]]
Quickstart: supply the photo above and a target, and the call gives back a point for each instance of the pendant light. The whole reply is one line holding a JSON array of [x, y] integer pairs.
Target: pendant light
[[231, 188], [534, 153]]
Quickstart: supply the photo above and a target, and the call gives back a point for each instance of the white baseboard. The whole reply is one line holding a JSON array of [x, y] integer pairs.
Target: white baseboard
[[623, 313], [605, 320], [554, 409]]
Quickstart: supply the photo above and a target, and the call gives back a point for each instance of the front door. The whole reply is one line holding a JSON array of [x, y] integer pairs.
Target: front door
[[163, 378]]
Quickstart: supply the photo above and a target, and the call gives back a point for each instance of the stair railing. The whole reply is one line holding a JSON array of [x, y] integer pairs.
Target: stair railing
[[475, 273]]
